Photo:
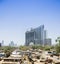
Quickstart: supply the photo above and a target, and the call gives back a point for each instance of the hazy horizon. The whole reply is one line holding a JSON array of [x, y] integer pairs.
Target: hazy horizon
[[18, 16]]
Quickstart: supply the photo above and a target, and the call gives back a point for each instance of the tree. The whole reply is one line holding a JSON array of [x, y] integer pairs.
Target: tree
[[57, 46], [37, 47], [7, 50], [47, 47], [58, 40], [24, 48]]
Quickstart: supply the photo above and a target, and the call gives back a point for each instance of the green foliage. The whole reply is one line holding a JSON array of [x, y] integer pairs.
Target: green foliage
[[37, 47], [7, 50], [58, 40], [24, 48], [57, 46], [31, 47], [34, 47], [47, 47], [42, 47], [52, 47]]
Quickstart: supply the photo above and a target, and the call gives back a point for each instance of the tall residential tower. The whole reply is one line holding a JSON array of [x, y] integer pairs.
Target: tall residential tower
[[36, 36]]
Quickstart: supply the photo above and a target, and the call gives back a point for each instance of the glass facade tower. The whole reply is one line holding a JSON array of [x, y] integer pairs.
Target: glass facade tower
[[37, 36]]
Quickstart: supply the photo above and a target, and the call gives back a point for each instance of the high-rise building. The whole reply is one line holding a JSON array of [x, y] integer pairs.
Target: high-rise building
[[36, 36], [2, 43], [45, 34], [11, 43]]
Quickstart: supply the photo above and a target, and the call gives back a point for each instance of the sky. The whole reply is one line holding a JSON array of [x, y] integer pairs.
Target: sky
[[18, 16]]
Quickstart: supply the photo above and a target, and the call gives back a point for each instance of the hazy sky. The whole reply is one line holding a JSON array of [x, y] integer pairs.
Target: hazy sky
[[18, 16]]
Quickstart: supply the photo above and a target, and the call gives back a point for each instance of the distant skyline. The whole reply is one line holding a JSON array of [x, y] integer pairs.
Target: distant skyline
[[18, 16]]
